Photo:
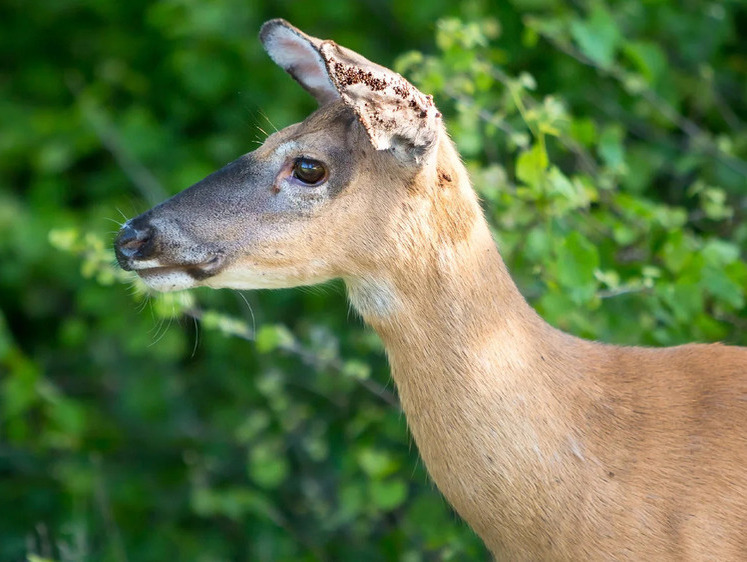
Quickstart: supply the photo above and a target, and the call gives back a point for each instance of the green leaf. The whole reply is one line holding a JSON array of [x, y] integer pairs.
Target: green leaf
[[64, 239], [388, 494], [273, 336], [677, 251], [531, 166], [611, 146], [584, 131], [377, 463], [715, 204], [720, 252], [568, 194], [648, 58], [356, 369], [352, 499], [268, 465], [537, 245], [578, 259], [685, 299], [254, 424], [722, 287], [19, 387], [598, 36]]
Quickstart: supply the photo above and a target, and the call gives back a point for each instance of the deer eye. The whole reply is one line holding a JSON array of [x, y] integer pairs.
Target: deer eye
[[308, 171]]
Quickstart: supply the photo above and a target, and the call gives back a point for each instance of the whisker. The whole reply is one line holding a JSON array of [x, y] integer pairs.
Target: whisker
[[165, 330], [146, 299], [120, 224], [251, 312], [263, 114], [197, 336]]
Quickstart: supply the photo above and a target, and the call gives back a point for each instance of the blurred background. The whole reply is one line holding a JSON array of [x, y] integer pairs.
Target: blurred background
[[607, 140]]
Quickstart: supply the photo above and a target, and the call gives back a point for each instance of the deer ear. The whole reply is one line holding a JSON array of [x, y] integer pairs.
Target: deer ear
[[395, 114], [298, 54]]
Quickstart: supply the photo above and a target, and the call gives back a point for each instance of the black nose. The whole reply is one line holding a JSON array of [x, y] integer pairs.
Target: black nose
[[133, 244]]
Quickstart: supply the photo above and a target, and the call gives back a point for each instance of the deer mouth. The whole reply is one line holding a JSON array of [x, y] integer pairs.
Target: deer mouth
[[197, 271], [173, 277]]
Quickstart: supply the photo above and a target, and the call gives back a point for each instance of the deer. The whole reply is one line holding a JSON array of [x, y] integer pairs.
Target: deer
[[549, 446]]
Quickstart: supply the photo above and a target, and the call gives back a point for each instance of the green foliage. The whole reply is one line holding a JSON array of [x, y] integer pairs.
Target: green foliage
[[608, 145], [604, 207]]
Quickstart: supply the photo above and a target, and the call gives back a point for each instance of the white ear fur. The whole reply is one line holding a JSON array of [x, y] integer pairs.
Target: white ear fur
[[298, 54]]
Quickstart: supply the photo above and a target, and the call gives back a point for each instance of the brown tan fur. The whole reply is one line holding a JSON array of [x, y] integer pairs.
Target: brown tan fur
[[549, 446]]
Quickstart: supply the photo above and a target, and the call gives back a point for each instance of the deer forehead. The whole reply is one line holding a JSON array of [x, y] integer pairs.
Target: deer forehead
[[329, 127]]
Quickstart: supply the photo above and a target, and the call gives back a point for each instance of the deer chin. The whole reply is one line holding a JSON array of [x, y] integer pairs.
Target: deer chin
[[245, 277], [167, 278]]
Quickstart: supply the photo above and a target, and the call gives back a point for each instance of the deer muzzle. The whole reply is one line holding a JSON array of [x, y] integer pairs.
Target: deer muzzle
[[142, 247]]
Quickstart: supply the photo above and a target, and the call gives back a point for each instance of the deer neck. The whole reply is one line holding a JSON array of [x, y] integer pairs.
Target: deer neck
[[481, 377], [452, 320], [442, 300]]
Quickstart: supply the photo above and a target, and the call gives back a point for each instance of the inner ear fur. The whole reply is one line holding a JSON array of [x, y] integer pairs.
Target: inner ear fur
[[298, 54]]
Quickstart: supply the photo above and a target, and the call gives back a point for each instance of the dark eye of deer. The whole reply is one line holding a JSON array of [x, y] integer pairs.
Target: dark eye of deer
[[308, 171]]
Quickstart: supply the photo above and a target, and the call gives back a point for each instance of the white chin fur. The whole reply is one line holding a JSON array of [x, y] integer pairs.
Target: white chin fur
[[168, 280]]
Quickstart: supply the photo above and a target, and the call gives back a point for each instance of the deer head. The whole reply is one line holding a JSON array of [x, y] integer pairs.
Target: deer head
[[318, 200]]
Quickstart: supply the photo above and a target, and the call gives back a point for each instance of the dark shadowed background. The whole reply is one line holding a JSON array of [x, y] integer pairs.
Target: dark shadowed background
[[607, 140]]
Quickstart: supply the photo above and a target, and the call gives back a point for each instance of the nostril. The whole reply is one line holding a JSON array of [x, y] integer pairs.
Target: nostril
[[128, 240], [133, 243]]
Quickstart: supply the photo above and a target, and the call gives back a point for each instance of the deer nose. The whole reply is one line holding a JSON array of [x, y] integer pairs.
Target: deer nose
[[133, 244]]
